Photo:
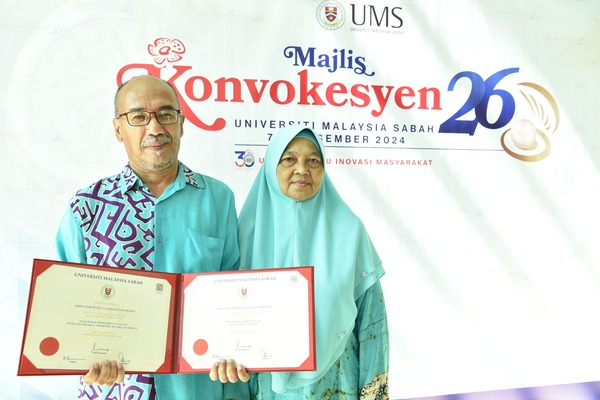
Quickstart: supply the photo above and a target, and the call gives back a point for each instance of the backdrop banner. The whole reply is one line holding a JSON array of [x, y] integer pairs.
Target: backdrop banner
[[463, 134]]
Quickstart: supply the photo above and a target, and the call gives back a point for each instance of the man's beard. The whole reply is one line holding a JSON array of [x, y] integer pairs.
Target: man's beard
[[162, 164]]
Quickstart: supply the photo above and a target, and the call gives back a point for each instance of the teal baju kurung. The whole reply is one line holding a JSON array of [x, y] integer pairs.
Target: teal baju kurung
[[350, 315]]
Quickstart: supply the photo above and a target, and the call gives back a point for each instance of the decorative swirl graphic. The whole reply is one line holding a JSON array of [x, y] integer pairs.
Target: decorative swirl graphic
[[529, 141]]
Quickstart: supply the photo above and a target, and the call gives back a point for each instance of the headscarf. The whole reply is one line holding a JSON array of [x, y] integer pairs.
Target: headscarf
[[323, 232]]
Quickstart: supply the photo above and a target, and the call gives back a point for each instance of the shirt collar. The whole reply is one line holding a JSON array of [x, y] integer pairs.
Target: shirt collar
[[185, 176]]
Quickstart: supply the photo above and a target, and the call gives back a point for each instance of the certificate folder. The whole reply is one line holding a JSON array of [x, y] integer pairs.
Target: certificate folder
[[158, 322]]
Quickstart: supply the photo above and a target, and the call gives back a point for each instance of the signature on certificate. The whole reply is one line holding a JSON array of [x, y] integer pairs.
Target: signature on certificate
[[99, 350], [242, 347], [265, 355], [73, 360], [121, 358]]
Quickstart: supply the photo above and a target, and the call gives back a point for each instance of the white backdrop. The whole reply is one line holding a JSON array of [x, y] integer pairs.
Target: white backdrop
[[489, 243]]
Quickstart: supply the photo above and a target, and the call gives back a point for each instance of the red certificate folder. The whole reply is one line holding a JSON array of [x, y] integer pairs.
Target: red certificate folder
[[157, 322]]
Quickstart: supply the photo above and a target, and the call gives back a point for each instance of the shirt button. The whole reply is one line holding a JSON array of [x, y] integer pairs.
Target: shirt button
[[159, 239], [341, 335], [364, 274]]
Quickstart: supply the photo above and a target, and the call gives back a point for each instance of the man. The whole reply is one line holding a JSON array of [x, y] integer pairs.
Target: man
[[157, 214]]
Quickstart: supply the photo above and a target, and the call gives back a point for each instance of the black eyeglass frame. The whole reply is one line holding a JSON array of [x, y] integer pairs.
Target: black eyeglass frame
[[148, 115]]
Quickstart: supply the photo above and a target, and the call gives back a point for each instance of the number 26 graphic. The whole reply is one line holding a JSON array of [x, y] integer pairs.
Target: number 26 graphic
[[478, 100]]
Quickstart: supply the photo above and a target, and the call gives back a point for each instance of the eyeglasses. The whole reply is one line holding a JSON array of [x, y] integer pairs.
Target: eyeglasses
[[142, 118]]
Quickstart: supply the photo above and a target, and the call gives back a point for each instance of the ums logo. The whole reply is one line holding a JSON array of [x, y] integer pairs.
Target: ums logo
[[107, 292], [331, 15]]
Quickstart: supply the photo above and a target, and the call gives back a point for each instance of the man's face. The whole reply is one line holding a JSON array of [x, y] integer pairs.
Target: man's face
[[300, 169], [153, 147]]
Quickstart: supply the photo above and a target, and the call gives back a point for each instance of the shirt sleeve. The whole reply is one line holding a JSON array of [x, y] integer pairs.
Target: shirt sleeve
[[372, 332], [70, 245]]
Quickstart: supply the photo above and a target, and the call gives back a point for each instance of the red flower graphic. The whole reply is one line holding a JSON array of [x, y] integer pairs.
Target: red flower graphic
[[165, 49]]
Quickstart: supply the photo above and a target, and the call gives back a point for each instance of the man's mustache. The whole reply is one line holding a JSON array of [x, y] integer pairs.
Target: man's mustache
[[156, 139]]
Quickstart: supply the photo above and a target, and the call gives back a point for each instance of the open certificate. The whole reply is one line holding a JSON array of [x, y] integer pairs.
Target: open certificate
[[260, 318], [157, 322]]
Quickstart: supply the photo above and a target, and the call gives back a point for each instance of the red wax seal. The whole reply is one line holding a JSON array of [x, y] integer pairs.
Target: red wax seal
[[200, 347], [49, 346]]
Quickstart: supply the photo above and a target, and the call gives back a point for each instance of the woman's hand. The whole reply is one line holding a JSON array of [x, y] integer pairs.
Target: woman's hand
[[229, 371]]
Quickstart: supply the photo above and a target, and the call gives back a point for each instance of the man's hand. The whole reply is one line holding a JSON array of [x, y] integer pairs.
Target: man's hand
[[229, 371], [107, 373]]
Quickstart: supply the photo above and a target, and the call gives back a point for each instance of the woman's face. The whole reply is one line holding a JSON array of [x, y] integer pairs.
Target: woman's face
[[300, 169]]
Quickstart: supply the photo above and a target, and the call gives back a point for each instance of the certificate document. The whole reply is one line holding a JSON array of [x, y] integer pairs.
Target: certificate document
[[260, 318], [157, 322], [80, 314]]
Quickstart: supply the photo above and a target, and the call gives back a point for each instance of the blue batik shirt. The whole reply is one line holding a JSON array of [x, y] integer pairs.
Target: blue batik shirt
[[191, 227]]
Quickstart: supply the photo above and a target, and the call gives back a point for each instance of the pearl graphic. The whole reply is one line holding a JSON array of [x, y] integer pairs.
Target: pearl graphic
[[523, 134]]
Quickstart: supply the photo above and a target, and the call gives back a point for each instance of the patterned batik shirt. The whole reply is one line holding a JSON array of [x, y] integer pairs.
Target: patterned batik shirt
[[191, 227]]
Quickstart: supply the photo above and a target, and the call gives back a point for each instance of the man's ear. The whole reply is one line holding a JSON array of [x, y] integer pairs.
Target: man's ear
[[181, 119], [117, 128]]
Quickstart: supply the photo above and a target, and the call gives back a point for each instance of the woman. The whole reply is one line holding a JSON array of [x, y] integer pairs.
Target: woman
[[293, 216]]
